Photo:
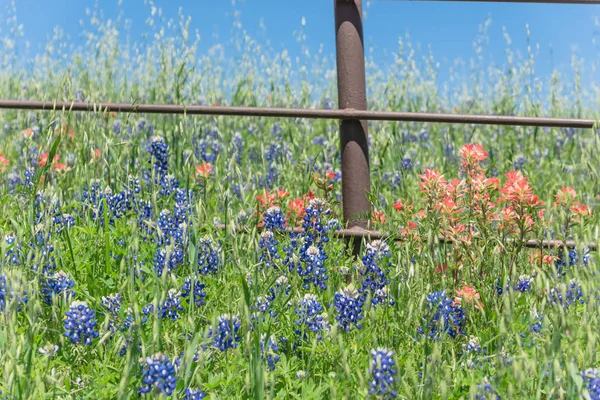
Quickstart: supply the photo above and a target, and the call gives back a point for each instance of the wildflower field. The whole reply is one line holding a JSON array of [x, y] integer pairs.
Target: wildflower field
[[152, 256]]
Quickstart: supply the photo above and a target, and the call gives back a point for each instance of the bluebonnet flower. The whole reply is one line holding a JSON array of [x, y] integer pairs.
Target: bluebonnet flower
[[29, 174], [9, 290], [472, 346], [566, 295], [116, 128], [171, 306], [309, 315], [197, 294], [210, 141], [375, 279], [274, 219], [262, 304], [112, 303], [473, 351], [485, 391], [3, 290], [349, 304], [79, 96], [13, 250], [80, 323], [62, 221], [442, 317], [158, 374], [498, 286], [271, 351], [309, 263], [238, 147], [383, 373], [93, 198], [268, 248], [520, 160], [314, 271], [319, 140], [573, 259], [209, 260], [160, 155], [270, 179], [194, 394], [128, 320], [48, 350], [281, 286], [591, 379], [168, 184], [226, 334], [169, 259], [57, 284], [524, 284]]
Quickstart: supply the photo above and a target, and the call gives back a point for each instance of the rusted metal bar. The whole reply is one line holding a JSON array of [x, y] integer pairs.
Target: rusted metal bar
[[369, 235], [343, 114], [352, 94]]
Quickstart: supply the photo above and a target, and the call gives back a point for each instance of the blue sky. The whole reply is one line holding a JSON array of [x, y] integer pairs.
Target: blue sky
[[449, 28]]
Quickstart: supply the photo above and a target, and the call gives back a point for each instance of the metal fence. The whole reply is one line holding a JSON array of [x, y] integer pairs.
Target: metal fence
[[352, 113]]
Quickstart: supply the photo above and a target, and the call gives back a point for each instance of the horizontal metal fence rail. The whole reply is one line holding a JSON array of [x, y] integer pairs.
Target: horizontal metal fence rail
[[341, 114], [360, 233]]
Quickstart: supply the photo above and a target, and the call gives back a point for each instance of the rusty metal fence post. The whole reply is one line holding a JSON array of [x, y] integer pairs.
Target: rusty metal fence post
[[350, 61]]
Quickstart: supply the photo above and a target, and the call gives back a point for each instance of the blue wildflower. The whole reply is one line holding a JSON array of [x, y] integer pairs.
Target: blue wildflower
[[309, 315], [198, 295], [226, 334], [80, 323], [57, 284], [591, 379], [158, 374], [171, 306], [194, 394], [268, 252], [485, 391], [349, 303], [160, 155], [271, 351], [209, 260], [566, 295], [383, 372], [524, 284], [374, 266], [274, 219], [442, 317]]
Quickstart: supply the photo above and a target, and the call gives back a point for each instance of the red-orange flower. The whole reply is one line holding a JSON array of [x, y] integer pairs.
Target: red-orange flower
[[60, 167], [565, 196], [43, 160], [378, 216], [540, 258], [95, 154], [266, 198], [204, 170], [27, 133], [473, 153], [297, 206], [470, 295], [581, 209], [518, 190]]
